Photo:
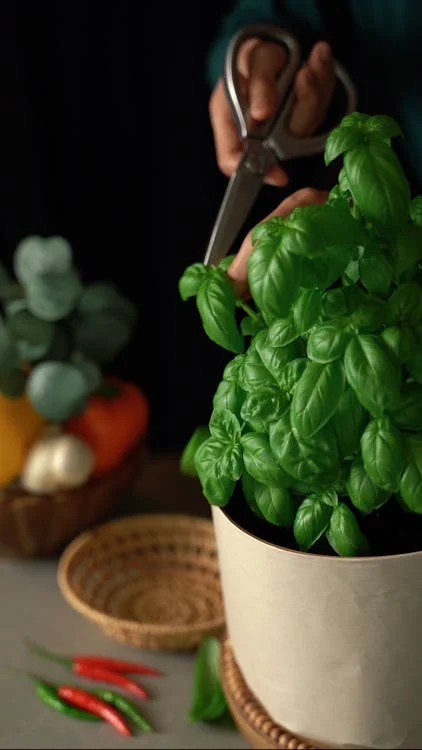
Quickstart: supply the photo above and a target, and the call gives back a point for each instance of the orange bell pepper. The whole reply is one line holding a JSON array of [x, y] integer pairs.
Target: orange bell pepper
[[20, 427], [112, 424]]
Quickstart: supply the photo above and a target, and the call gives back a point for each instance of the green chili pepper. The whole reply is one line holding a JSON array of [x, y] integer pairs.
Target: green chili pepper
[[48, 694], [126, 707]]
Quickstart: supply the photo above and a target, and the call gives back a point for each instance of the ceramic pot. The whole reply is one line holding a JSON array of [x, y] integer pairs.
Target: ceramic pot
[[330, 646]]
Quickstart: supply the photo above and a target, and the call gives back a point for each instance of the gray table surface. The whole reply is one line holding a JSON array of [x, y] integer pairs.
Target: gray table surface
[[32, 606]]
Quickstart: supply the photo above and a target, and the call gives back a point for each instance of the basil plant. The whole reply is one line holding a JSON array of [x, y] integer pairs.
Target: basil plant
[[319, 413]]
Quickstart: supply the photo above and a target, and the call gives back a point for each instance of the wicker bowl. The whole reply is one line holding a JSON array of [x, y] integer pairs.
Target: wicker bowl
[[41, 525], [150, 581]]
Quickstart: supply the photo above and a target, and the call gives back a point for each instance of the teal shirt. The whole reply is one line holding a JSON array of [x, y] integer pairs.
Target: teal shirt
[[387, 68]]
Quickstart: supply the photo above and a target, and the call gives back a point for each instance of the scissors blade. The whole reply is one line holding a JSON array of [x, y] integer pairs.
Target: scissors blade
[[241, 192]]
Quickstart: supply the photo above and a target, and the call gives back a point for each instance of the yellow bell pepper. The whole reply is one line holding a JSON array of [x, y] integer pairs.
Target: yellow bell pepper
[[20, 426]]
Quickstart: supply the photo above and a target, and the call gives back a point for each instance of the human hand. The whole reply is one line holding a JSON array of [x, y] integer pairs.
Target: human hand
[[259, 66], [238, 270]]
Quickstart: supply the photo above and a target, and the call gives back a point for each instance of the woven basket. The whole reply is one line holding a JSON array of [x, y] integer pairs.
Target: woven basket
[[41, 525], [149, 581]]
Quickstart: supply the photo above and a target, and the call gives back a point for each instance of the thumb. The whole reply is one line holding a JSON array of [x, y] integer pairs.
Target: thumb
[[266, 62]]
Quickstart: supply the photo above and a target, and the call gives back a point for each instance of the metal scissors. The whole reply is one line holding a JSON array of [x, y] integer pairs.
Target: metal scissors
[[264, 143]]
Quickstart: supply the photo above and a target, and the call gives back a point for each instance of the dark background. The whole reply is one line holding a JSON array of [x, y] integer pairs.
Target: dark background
[[106, 140]]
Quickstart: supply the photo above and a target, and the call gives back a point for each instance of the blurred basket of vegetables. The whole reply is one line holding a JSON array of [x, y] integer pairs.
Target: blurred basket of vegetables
[[72, 435]]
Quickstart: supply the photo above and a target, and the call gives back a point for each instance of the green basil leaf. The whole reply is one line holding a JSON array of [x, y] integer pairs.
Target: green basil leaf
[[340, 140], [383, 127], [216, 304], [344, 534], [250, 326], [351, 272], [291, 374], [312, 520], [408, 248], [273, 278], [369, 315], [260, 462], [383, 454], [187, 460], [224, 426], [376, 272], [328, 341], [374, 374], [306, 309], [229, 395], [282, 332], [408, 415], [329, 497], [378, 185], [334, 304], [208, 701], [316, 397], [263, 364], [233, 368], [263, 406], [401, 340], [415, 211], [209, 458], [414, 366], [225, 264], [305, 460], [192, 280], [348, 423], [273, 504], [406, 303], [356, 120], [365, 495], [411, 481]]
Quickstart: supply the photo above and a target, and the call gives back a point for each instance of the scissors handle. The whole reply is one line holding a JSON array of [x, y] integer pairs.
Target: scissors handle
[[267, 33], [275, 131]]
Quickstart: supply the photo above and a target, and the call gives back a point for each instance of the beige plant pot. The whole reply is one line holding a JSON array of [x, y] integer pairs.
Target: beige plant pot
[[331, 647]]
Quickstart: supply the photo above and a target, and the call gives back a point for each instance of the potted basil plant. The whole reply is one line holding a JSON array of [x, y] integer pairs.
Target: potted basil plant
[[312, 460]]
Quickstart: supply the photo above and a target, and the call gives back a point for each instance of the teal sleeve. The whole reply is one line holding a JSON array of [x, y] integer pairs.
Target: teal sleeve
[[243, 13]]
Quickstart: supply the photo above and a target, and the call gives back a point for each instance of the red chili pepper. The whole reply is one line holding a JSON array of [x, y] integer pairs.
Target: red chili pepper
[[94, 661], [100, 674], [80, 699]]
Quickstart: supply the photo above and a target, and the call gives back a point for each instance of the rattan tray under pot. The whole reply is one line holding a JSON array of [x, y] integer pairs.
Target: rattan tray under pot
[[41, 525], [150, 581]]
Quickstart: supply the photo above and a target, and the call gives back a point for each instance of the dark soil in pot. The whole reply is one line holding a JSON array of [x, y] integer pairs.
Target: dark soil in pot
[[390, 531]]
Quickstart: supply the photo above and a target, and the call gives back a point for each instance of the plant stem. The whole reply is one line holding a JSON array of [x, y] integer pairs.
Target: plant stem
[[248, 309]]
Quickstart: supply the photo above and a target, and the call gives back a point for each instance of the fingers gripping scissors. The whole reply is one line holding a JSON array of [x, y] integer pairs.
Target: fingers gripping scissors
[[264, 143]]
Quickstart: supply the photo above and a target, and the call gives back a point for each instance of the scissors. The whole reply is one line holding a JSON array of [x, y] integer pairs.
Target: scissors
[[264, 143]]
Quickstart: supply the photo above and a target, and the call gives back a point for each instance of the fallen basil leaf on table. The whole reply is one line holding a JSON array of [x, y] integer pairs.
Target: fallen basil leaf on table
[[208, 702]]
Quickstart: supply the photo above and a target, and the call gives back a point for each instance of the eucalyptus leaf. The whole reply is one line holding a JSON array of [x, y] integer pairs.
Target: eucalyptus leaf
[[38, 256], [101, 337], [9, 356], [104, 297], [53, 296], [90, 370], [33, 336], [57, 390], [12, 382]]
